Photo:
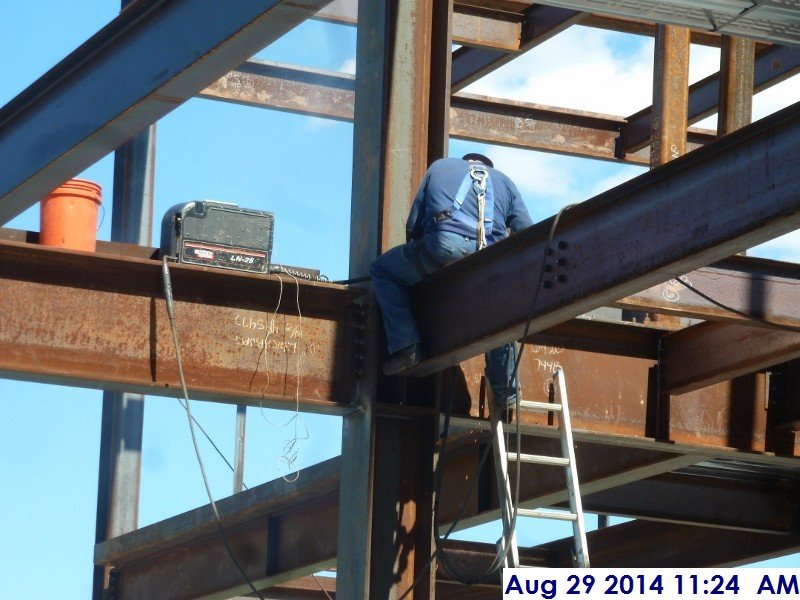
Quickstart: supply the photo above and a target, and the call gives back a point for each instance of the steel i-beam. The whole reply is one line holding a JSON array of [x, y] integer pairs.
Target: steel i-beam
[[83, 108], [695, 210]]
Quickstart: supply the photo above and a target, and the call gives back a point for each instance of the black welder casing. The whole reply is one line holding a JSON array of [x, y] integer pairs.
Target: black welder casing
[[218, 234]]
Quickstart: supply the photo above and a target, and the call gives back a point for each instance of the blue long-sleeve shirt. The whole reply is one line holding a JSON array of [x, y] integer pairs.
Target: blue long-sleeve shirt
[[437, 193]]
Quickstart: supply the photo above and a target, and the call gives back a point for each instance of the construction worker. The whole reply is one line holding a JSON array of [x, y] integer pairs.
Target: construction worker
[[442, 227]]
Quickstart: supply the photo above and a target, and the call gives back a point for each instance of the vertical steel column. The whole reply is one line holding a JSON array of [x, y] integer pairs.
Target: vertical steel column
[[123, 413], [355, 495], [408, 114], [670, 94], [670, 102], [387, 496], [737, 70]]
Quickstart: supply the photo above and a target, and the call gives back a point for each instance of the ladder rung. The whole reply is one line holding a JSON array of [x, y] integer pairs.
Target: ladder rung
[[538, 459], [539, 514], [533, 405]]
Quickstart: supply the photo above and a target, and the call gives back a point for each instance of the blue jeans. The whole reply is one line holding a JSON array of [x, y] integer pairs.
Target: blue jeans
[[398, 269]]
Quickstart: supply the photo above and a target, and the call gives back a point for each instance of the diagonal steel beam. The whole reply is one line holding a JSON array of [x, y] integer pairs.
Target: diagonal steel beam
[[772, 65], [708, 353], [541, 23], [278, 531], [705, 206], [82, 108], [282, 531]]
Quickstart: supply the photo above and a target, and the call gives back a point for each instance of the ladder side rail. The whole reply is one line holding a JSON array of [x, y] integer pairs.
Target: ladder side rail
[[573, 485]]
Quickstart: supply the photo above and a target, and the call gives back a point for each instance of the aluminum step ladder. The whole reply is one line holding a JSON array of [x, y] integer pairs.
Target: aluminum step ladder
[[565, 461]]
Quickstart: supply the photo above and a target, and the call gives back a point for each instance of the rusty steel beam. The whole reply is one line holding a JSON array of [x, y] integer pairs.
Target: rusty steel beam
[[737, 70], [604, 337], [81, 109], [765, 289], [772, 65], [283, 531], [533, 126], [616, 395], [708, 353], [125, 293], [541, 23], [600, 467], [730, 196], [670, 94], [118, 336], [302, 588], [299, 90], [705, 500], [331, 95], [472, 25], [648, 544], [270, 529]]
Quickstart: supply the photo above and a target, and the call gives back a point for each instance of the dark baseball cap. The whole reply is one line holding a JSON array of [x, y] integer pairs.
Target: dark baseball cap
[[478, 158]]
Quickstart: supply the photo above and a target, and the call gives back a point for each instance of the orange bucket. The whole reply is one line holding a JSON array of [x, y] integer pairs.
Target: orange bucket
[[69, 215]]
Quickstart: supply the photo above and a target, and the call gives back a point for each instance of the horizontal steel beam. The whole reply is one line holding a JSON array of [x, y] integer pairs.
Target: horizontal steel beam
[[115, 333], [691, 212], [298, 90], [331, 95], [711, 352], [117, 309], [772, 65], [765, 289], [541, 23], [472, 25], [617, 395], [712, 501], [82, 109], [648, 544]]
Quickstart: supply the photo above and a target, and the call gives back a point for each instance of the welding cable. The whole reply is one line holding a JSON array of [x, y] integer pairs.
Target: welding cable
[[353, 280], [187, 406], [746, 315], [319, 583], [439, 552]]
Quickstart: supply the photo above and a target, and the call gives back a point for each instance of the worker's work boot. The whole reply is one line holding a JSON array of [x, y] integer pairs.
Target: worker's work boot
[[403, 359]]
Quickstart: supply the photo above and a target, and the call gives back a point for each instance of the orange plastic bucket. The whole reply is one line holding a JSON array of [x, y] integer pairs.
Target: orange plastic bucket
[[69, 215]]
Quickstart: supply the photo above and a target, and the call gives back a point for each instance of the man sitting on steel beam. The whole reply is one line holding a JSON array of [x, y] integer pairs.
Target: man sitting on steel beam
[[461, 206]]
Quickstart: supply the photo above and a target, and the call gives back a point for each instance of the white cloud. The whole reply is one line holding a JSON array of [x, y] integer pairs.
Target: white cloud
[[582, 69], [348, 66]]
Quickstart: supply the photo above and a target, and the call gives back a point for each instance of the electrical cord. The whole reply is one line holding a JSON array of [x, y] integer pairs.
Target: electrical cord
[[741, 313], [208, 437], [439, 552], [290, 448], [171, 313]]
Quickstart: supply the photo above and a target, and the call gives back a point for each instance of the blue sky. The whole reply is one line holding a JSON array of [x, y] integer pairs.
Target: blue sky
[[297, 167]]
